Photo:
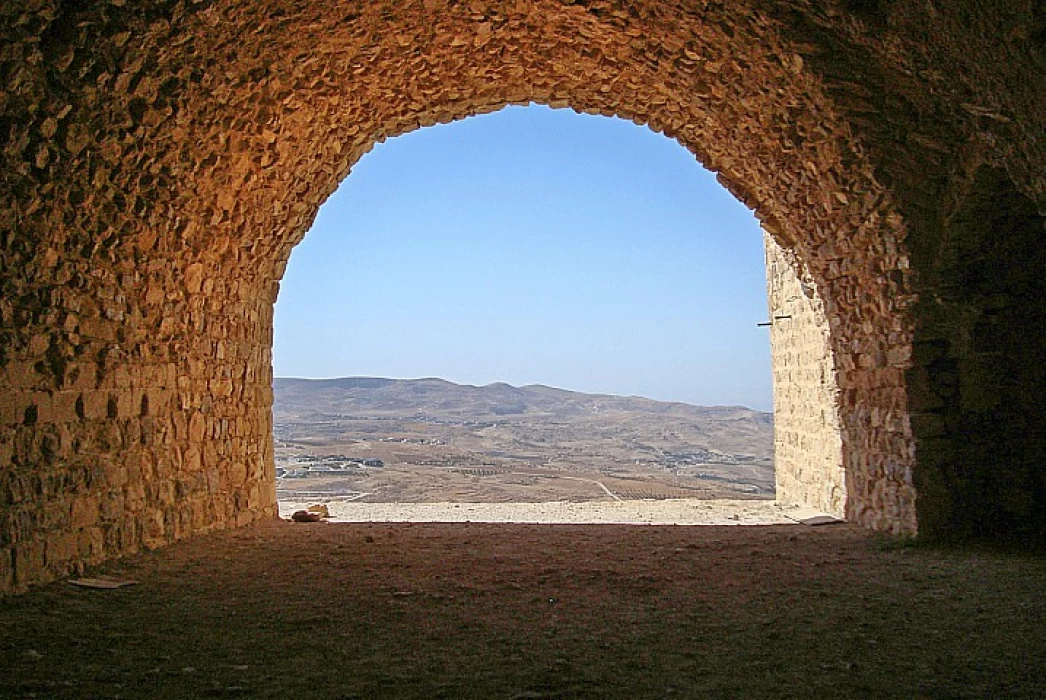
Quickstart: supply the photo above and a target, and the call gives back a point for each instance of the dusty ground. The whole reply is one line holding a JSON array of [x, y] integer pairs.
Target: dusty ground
[[322, 610], [425, 473], [675, 511], [402, 482], [411, 483]]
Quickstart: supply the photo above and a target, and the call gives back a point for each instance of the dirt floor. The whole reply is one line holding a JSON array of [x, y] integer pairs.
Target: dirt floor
[[674, 511], [339, 610]]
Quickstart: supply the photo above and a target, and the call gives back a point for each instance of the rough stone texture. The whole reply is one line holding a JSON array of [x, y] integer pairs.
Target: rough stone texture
[[808, 443], [979, 380], [161, 158]]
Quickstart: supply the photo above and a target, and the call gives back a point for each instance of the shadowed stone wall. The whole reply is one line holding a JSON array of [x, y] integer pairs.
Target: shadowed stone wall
[[979, 380], [160, 159]]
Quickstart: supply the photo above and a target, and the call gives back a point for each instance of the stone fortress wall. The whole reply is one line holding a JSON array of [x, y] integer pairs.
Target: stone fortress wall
[[160, 159], [808, 445]]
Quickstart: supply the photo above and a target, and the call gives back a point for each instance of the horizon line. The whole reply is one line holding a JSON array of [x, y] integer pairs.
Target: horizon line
[[523, 386]]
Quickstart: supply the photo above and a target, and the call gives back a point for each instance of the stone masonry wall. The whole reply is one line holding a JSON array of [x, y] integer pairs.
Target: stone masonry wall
[[978, 381], [808, 447], [160, 159], [947, 100]]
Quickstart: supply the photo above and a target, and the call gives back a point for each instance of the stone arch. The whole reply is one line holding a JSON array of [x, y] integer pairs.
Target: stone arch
[[727, 114], [161, 159]]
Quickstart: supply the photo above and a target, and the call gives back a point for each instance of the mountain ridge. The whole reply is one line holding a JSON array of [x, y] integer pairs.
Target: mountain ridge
[[436, 396], [502, 442]]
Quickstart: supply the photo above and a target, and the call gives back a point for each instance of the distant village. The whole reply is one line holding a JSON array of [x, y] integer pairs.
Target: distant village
[[304, 466]]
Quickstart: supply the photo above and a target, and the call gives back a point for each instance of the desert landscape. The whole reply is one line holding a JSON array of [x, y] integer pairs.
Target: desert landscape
[[429, 440]]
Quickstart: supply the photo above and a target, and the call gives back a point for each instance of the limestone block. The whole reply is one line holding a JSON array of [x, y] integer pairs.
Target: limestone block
[[134, 497], [127, 404], [94, 405], [12, 408], [17, 487], [7, 570], [237, 472], [91, 545], [84, 511], [28, 562], [61, 549], [64, 406], [9, 532], [196, 428], [112, 507]]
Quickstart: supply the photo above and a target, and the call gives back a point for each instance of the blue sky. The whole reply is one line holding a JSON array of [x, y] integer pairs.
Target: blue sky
[[532, 246]]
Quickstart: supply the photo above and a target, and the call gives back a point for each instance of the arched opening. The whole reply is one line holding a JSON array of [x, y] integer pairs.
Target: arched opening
[[157, 186], [541, 248]]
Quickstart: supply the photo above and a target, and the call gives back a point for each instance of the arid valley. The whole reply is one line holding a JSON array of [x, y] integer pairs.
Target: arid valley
[[428, 440]]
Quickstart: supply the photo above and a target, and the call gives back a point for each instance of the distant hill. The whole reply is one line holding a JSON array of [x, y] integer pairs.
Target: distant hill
[[732, 429], [437, 398]]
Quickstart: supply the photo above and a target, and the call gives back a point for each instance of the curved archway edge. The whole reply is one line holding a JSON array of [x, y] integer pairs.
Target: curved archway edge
[[161, 160]]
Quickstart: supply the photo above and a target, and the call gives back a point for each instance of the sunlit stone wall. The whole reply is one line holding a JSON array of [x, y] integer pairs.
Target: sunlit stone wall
[[808, 448]]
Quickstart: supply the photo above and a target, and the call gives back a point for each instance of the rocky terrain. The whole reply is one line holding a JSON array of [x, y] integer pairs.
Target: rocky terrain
[[427, 440]]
